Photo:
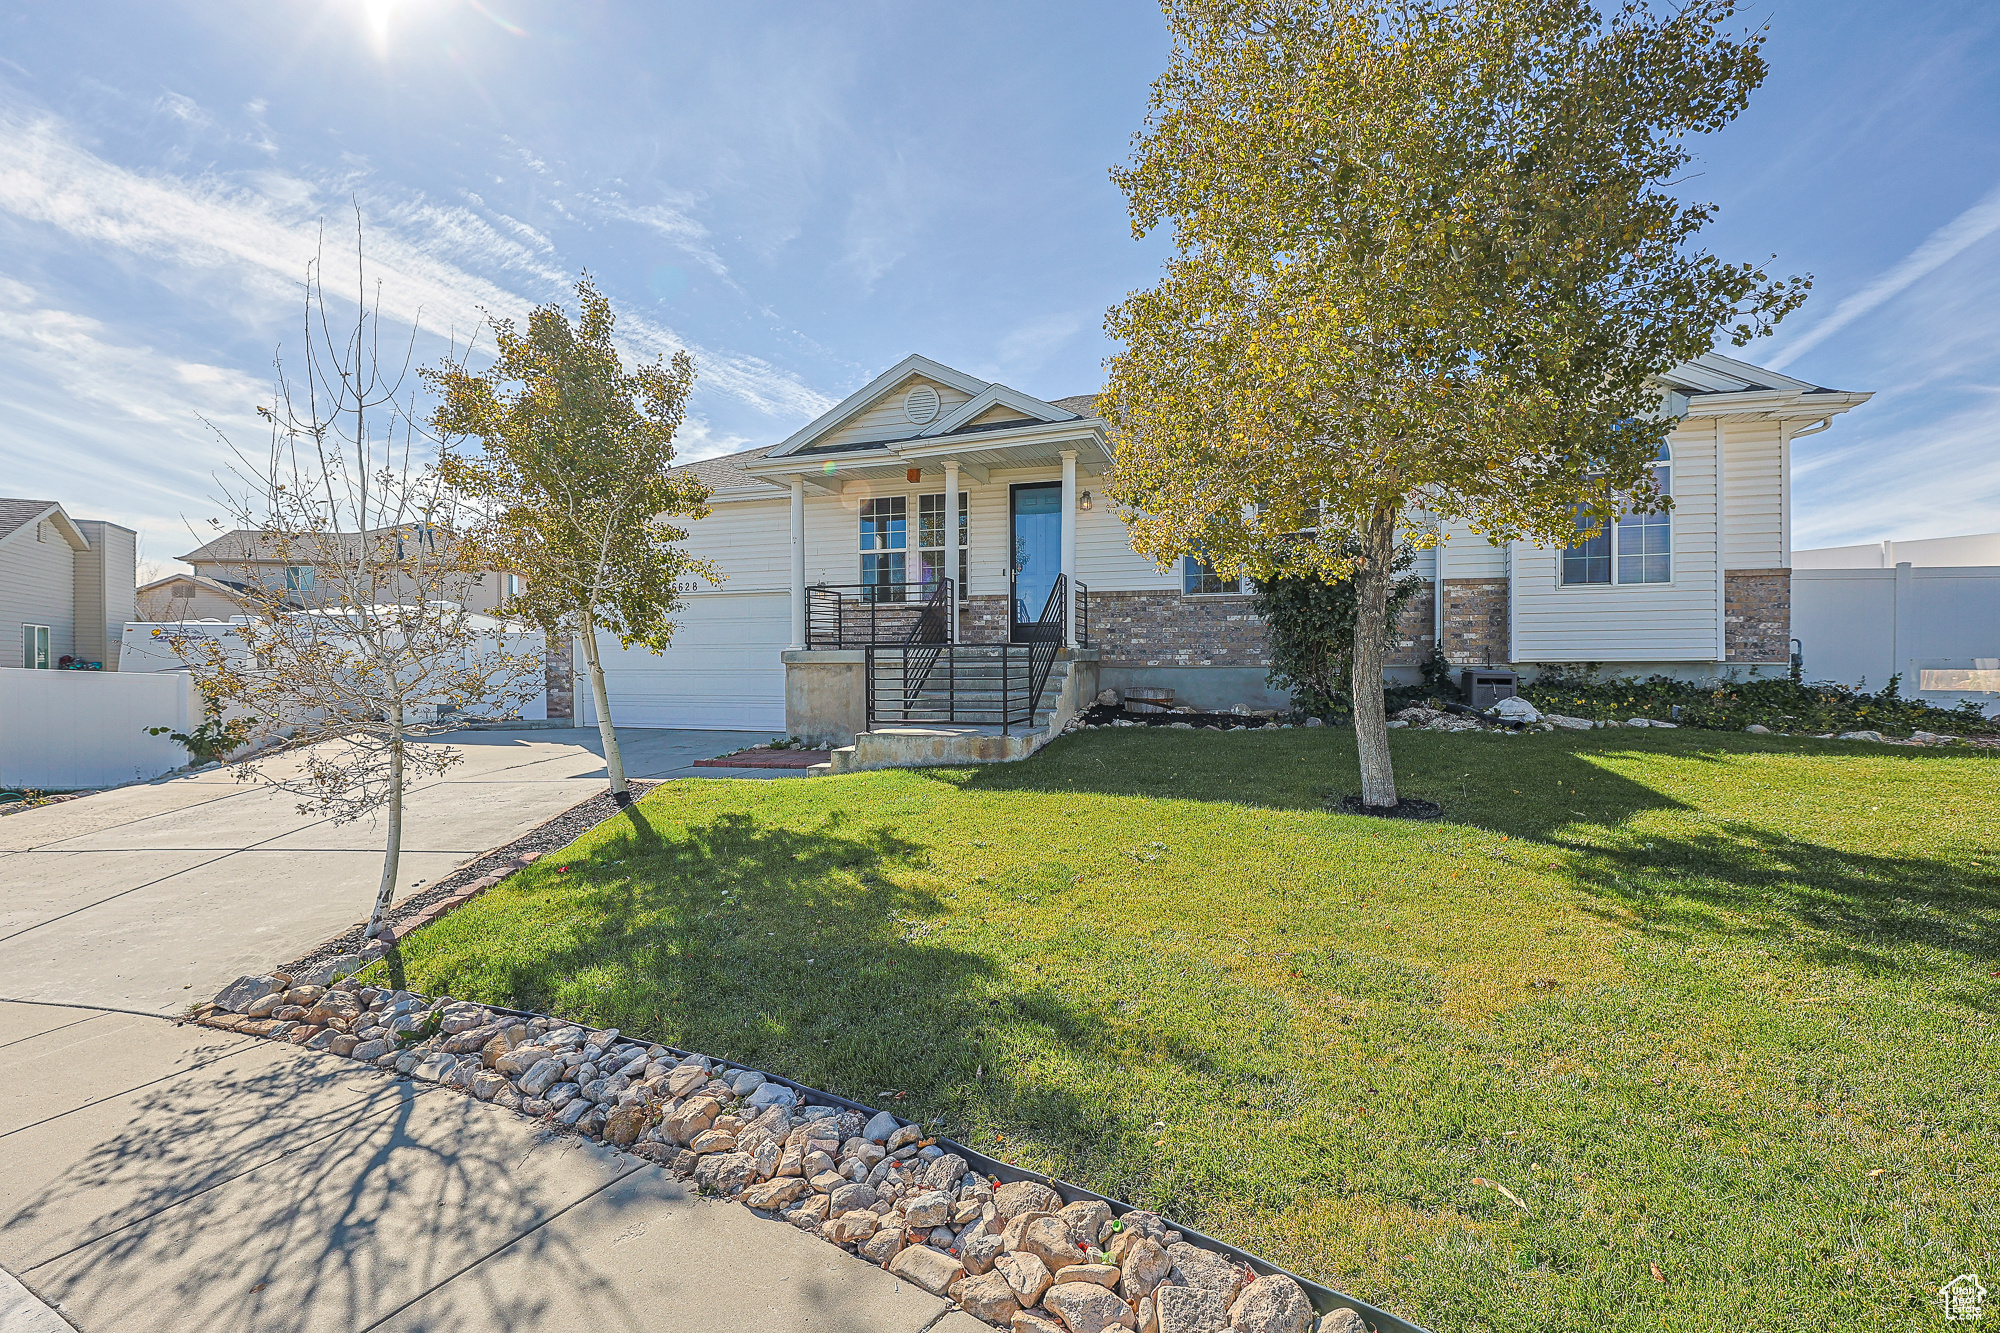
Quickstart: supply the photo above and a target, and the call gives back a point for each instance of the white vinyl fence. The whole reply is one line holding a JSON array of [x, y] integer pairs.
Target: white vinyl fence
[[1938, 628], [64, 730]]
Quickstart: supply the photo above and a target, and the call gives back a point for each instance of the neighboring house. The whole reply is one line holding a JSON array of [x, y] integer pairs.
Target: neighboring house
[[193, 597], [257, 565], [66, 586], [928, 473], [1926, 612]]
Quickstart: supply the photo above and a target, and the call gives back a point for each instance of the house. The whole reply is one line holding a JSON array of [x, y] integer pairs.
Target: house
[[1926, 612], [837, 544], [66, 586], [241, 572], [193, 597]]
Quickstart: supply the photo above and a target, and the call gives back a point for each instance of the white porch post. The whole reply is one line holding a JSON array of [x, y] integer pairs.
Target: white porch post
[[951, 538], [798, 562], [1069, 542]]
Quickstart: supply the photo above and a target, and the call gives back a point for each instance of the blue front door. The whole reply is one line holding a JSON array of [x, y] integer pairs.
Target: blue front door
[[1037, 556]]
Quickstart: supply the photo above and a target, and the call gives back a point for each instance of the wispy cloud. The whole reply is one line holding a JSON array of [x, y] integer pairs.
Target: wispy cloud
[[1940, 247], [675, 224], [439, 264]]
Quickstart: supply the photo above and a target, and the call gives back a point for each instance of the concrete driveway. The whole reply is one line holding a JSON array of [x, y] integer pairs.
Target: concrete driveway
[[152, 896], [155, 1176]]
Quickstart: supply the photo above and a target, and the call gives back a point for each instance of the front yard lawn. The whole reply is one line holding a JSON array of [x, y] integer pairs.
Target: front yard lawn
[[1719, 1010]]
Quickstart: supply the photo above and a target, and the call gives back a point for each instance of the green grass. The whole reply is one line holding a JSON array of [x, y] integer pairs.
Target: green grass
[[1721, 1004]]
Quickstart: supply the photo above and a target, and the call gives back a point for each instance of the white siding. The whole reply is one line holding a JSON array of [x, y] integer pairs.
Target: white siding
[[750, 543], [1753, 533], [887, 420], [37, 587], [1470, 556], [1651, 622]]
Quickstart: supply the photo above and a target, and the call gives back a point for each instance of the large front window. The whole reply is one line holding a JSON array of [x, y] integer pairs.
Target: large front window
[[1634, 548], [932, 562], [884, 547]]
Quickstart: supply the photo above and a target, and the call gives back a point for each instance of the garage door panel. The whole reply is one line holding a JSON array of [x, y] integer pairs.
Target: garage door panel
[[723, 670]]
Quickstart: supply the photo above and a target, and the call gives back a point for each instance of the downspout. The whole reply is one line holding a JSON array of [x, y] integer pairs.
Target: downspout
[[1722, 542]]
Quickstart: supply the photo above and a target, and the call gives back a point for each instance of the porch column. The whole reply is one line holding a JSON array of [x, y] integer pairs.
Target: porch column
[[951, 538], [1069, 542], [798, 561]]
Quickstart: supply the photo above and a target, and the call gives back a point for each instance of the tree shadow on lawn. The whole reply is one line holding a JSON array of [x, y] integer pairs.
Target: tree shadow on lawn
[[796, 952], [1856, 908]]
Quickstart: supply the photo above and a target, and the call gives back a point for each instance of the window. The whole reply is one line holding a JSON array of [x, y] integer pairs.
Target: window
[[931, 544], [35, 648], [298, 578], [884, 547], [1635, 548], [1198, 576], [514, 585]]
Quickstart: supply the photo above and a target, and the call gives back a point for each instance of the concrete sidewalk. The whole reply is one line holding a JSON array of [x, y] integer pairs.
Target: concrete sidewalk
[[161, 1177], [152, 896]]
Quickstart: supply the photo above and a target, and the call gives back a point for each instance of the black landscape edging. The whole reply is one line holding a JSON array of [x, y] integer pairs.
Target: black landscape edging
[[1325, 1300]]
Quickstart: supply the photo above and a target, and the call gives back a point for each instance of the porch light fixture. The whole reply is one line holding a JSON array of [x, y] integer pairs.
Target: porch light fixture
[[1083, 502]]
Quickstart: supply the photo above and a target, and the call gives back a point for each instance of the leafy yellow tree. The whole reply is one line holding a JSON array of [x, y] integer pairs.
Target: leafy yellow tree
[[1428, 266], [575, 482]]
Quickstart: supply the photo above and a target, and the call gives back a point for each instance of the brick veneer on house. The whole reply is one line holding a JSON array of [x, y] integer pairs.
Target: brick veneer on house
[[1168, 629], [559, 679], [1757, 615], [1475, 622]]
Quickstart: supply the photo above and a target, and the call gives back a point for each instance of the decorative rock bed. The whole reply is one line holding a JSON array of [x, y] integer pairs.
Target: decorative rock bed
[[1013, 1253]]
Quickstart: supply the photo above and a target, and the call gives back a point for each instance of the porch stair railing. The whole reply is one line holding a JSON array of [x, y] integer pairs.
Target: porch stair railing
[[980, 684]]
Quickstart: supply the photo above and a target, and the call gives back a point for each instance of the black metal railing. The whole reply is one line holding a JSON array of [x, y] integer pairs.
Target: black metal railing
[[859, 615], [979, 684]]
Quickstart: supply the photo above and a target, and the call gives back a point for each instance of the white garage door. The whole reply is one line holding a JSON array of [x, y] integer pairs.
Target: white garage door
[[722, 672]]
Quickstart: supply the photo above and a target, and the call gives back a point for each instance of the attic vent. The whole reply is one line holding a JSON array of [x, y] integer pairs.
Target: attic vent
[[921, 405]]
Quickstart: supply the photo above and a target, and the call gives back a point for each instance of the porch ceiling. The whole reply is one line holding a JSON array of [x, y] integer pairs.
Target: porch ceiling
[[1038, 445]]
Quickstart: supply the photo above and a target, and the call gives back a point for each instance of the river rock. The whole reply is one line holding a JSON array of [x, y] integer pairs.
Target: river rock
[[1143, 1264], [624, 1125], [1085, 1220], [927, 1210], [880, 1128], [945, 1172], [1048, 1240], [852, 1228], [978, 1248], [1026, 1274], [1034, 1321], [778, 1193], [724, 1171], [1196, 1267], [988, 1297], [1085, 1307], [1272, 1305], [1190, 1310], [1024, 1196], [243, 992], [884, 1245], [927, 1268]]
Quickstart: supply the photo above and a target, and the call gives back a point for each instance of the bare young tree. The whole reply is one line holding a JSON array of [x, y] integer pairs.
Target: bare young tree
[[348, 543]]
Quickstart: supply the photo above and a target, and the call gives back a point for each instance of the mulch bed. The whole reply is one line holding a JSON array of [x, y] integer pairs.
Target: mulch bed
[[1409, 807], [475, 876], [1098, 715], [767, 759]]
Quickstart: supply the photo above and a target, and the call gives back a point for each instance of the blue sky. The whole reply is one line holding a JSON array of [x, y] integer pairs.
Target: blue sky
[[802, 194]]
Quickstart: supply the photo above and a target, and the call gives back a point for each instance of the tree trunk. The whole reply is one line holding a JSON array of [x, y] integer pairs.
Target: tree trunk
[[392, 855], [614, 764], [1371, 720]]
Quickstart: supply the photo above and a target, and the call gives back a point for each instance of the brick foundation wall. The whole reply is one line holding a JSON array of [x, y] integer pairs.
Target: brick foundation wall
[[1757, 615], [1475, 622], [1167, 629]]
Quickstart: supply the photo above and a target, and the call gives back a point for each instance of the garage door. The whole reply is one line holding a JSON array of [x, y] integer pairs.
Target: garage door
[[722, 672]]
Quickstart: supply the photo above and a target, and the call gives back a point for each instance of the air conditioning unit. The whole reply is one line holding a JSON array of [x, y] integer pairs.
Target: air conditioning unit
[[1483, 688]]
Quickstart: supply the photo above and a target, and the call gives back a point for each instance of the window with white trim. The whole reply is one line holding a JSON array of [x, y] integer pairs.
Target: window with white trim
[[1633, 548], [931, 541], [884, 547], [1198, 578], [35, 648], [299, 578]]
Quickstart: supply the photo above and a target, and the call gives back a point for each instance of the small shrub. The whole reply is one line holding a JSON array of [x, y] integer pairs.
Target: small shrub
[[1780, 703]]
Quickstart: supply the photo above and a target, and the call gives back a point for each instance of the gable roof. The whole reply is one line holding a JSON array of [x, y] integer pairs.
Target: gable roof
[[871, 393], [1083, 404], [725, 471], [17, 516], [230, 590]]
